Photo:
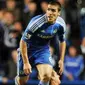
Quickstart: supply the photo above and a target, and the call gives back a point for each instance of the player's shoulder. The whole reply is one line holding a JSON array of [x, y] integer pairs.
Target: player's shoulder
[[61, 22], [36, 17], [35, 22]]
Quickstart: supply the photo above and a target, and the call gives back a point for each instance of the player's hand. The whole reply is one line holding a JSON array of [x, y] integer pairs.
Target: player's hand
[[27, 68], [61, 66]]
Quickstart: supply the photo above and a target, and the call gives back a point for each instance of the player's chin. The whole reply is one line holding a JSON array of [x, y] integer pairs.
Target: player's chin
[[50, 21]]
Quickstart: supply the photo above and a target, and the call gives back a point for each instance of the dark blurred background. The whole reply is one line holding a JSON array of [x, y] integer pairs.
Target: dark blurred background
[[14, 17]]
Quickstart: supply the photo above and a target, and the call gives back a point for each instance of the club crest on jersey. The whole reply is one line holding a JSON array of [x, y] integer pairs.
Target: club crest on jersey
[[43, 31], [55, 31]]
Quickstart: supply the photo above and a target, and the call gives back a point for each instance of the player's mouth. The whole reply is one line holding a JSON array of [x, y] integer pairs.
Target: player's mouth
[[50, 17]]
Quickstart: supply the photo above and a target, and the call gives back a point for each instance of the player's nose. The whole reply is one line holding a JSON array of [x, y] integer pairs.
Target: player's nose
[[50, 12]]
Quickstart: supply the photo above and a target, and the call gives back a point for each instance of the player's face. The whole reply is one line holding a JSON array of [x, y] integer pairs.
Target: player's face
[[52, 13]]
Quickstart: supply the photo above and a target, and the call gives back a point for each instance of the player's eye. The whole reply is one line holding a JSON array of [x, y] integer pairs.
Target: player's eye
[[48, 9], [53, 10]]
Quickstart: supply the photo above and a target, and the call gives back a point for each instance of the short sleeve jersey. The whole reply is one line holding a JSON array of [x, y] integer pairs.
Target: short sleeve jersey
[[39, 32]]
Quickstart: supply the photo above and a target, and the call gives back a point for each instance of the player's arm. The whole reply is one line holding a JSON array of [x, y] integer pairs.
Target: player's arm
[[26, 64], [23, 45], [62, 50], [62, 54], [23, 50], [31, 28], [61, 35]]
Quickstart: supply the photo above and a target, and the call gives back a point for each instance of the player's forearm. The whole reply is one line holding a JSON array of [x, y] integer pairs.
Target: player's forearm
[[62, 50], [23, 50]]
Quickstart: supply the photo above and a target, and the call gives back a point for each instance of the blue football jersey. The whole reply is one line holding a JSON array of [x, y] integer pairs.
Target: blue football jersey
[[37, 36], [39, 32]]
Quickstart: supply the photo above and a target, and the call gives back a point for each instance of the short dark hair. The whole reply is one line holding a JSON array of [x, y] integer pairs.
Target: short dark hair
[[56, 3]]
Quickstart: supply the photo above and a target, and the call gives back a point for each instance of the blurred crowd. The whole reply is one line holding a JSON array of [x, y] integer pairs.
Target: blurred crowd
[[14, 17]]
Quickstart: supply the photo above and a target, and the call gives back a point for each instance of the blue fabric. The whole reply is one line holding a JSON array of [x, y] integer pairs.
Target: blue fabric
[[43, 32], [41, 56], [73, 66]]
